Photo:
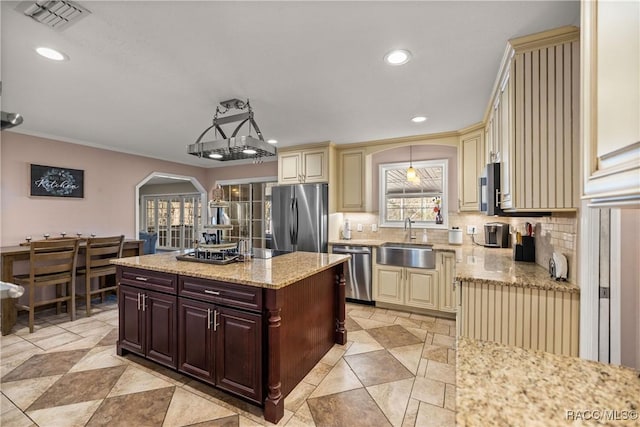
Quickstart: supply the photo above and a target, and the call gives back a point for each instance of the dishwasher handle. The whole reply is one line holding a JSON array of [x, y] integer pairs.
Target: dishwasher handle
[[351, 250]]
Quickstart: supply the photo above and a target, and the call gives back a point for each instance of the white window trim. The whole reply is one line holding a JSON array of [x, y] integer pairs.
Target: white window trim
[[444, 163]]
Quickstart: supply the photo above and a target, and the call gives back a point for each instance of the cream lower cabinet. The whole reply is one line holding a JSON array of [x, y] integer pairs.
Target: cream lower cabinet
[[417, 287], [446, 264], [413, 287]]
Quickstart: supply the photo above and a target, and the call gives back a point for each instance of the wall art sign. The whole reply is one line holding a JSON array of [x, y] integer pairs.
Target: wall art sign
[[52, 181]]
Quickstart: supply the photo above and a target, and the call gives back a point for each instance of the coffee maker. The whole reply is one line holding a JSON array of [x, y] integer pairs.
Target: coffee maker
[[496, 235]]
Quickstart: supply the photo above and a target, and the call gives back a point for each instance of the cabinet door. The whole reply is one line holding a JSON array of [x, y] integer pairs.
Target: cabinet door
[[505, 141], [161, 327], [472, 162], [387, 284], [131, 321], [315, 165], [238, 352], [289, 168], [352, 181], [446, 294], [195, 342], [421, 288]]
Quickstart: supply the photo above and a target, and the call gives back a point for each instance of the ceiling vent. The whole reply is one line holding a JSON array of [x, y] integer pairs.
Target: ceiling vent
[[234, 147], [55, 14]]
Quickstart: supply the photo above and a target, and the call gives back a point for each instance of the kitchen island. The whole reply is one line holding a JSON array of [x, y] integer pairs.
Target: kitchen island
[[254, 329]]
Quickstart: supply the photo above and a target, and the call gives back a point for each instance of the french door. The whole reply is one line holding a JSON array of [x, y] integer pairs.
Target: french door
[[176, 219]]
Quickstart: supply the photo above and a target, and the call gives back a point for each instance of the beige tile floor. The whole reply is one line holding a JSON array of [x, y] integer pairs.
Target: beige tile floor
[[397, 369]]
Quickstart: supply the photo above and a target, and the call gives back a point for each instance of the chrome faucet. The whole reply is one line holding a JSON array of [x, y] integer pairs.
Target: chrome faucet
[[407, 219]]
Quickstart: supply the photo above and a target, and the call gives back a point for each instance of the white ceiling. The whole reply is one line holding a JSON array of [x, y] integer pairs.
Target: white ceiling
[[146, 77]]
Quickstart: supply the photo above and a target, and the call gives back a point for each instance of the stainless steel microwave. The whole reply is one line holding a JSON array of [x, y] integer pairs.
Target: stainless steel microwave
[[489, 188]]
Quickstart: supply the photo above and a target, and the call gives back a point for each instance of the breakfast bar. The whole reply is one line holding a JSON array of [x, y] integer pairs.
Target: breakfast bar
[[254, 329]]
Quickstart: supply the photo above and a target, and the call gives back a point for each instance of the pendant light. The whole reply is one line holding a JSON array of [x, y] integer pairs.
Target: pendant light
[[411, 172]]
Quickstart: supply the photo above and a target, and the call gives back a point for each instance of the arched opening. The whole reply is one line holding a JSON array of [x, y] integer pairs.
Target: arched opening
[[172, 206]]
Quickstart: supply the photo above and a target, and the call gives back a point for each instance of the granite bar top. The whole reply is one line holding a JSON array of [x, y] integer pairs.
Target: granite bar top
[[500, 385], [274, 273]]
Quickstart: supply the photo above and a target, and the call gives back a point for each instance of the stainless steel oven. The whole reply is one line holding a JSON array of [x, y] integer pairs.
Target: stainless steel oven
[[358, 274]]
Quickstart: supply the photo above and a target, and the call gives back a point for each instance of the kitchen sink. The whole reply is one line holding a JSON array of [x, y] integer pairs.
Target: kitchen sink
[[407, 255]]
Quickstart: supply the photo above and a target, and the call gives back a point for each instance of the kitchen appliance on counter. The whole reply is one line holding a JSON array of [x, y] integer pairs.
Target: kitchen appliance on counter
[[496, 235], [455, 236], [299, 217], [358, 275], [558, 266]]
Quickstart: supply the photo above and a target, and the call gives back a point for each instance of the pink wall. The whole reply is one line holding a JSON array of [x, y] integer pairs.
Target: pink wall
[[224, 173], [108, 206]]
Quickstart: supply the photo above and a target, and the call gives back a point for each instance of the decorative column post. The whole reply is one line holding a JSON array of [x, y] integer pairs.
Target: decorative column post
[[340, 332], [274, 403]]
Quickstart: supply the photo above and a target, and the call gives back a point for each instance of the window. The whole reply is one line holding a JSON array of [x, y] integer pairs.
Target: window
[[400, 199]]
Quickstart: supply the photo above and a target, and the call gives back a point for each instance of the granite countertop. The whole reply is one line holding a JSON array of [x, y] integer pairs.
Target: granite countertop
[[500, 385], [274, 273], [486, 265]]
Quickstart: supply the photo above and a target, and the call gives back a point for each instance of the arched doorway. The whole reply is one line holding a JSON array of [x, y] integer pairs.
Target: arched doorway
[[173, 206]]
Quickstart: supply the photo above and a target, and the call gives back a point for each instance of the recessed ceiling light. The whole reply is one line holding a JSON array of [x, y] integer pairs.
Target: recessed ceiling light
[[419, 119], [272, 141], [52, 54], [215, 156], [249, 151], [397, 57]]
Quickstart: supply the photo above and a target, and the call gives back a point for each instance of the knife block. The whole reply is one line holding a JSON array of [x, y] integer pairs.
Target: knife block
[[526, 251]]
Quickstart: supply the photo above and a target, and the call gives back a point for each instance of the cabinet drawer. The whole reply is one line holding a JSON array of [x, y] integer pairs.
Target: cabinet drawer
[[230, 294], [147, 279]]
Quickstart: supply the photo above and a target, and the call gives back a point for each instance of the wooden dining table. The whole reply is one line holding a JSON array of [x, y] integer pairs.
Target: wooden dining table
[[11, 254]]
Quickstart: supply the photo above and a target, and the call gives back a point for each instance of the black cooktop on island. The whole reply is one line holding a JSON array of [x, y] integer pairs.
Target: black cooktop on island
[[227, 256]]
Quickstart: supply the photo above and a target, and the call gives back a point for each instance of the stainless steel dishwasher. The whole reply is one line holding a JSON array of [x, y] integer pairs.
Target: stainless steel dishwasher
[[358, 274]]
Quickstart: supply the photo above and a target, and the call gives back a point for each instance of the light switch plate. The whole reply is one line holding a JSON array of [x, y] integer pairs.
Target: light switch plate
[[359, 227], [374, 227]]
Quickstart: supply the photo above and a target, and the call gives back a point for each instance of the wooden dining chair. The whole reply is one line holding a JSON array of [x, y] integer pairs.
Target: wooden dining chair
[[99, 252], [52, 263]]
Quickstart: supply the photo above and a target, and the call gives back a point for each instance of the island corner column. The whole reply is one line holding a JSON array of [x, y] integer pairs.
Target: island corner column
[[340, 312], [274, 403]]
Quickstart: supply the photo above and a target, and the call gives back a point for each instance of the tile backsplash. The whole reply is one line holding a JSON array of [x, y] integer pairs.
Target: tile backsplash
[[555, 233]]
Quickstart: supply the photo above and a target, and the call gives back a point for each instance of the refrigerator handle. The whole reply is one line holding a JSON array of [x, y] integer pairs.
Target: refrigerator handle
[[295, 221], [291, 230]]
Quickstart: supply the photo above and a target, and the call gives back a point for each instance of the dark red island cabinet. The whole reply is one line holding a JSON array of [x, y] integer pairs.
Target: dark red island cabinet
[[251, 341], [148, 319]]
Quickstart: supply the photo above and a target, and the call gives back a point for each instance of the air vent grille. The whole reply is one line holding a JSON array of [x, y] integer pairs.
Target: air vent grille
[[55, 14]]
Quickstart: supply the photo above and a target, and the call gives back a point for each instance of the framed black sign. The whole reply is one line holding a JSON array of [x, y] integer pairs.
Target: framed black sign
[[52, 181]]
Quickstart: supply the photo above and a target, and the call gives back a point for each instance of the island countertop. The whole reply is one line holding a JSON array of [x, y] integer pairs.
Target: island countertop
[[273, 273], [502, 385]]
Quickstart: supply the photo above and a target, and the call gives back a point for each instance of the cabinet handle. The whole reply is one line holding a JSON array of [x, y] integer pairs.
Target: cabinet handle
[[144, 302], [142, 279], [497, 198], [138, 301], [208, 318], [207, 291], [215, 320]]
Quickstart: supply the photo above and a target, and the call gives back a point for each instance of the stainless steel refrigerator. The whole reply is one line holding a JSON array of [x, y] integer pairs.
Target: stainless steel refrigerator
[[299, 217]]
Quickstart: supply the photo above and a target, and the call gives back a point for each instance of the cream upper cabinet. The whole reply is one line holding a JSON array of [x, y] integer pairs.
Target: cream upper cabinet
[[471, 158], [351, 171], [304, 166], [611, 102], [533, 122]]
